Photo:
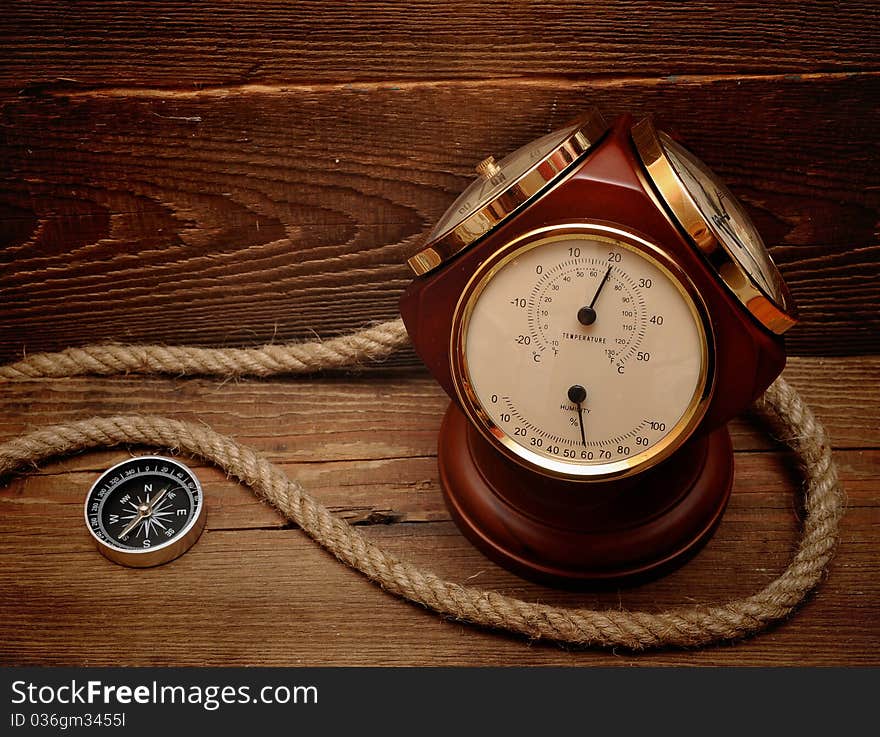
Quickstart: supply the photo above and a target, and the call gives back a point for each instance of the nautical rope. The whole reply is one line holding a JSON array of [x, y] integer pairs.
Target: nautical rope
[[690, 626], [371, 344]]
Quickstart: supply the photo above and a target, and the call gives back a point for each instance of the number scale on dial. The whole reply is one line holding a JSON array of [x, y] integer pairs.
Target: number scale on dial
[[579, 276], [583, 349]]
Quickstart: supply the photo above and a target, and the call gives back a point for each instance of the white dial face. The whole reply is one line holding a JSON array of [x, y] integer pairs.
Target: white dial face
[[510, 168], [583, 355], [731, 224]]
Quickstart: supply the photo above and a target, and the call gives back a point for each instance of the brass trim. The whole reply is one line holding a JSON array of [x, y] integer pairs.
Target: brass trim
[[591, 127], [778, 318], [557, 468], [158, 554]]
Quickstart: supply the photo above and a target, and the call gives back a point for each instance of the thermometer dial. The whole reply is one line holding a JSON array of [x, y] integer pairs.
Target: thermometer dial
[[583, 352]]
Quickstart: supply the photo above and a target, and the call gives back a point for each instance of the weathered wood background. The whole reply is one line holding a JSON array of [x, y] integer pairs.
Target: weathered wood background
[[238, 172]]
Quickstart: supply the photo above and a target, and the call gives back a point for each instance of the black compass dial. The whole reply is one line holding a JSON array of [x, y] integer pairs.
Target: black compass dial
[[143, 504]]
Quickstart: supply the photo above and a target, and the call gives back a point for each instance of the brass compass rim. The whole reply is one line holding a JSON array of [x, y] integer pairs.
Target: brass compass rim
[[590, 127], [703, 235]]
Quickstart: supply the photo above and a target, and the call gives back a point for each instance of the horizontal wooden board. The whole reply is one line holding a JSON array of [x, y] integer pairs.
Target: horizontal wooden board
[[271, 597], [263, 594], [379, 416], [180, 44], [242, 216], [368, 492]]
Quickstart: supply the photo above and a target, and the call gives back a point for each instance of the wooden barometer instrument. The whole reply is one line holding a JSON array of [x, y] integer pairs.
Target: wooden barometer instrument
[[598, 306]]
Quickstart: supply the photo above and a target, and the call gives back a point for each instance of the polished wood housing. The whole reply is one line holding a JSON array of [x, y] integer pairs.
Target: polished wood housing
[[608, 185]]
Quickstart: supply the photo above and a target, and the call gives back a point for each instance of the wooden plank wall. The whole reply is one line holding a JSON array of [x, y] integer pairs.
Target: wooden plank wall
[[234, 173]]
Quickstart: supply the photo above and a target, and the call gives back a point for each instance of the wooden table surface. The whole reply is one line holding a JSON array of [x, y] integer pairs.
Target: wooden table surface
[[255, 591], [260, 171]]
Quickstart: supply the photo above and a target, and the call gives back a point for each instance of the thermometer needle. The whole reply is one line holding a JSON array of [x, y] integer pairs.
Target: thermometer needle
[[577, 394], [587, 315]]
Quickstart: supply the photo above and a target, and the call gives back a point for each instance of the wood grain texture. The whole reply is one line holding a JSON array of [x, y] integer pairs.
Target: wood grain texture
[[262, 593], [184, 44], [240, 216]]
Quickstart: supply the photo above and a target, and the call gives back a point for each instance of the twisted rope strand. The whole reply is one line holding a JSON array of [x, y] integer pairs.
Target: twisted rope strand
[[682, 627], [371, 344]]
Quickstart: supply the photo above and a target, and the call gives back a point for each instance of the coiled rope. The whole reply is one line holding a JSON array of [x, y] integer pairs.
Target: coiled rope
[[692, 626]]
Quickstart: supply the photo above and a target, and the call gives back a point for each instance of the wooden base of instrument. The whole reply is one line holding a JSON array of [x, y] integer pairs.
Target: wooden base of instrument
[[575, 532]]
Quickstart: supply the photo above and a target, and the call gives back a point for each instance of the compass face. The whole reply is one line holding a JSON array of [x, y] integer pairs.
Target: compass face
[[143, 511], [731, 224], [717, 225]]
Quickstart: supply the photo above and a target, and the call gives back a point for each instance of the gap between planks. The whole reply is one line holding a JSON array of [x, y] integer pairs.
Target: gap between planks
[[67, 87]]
